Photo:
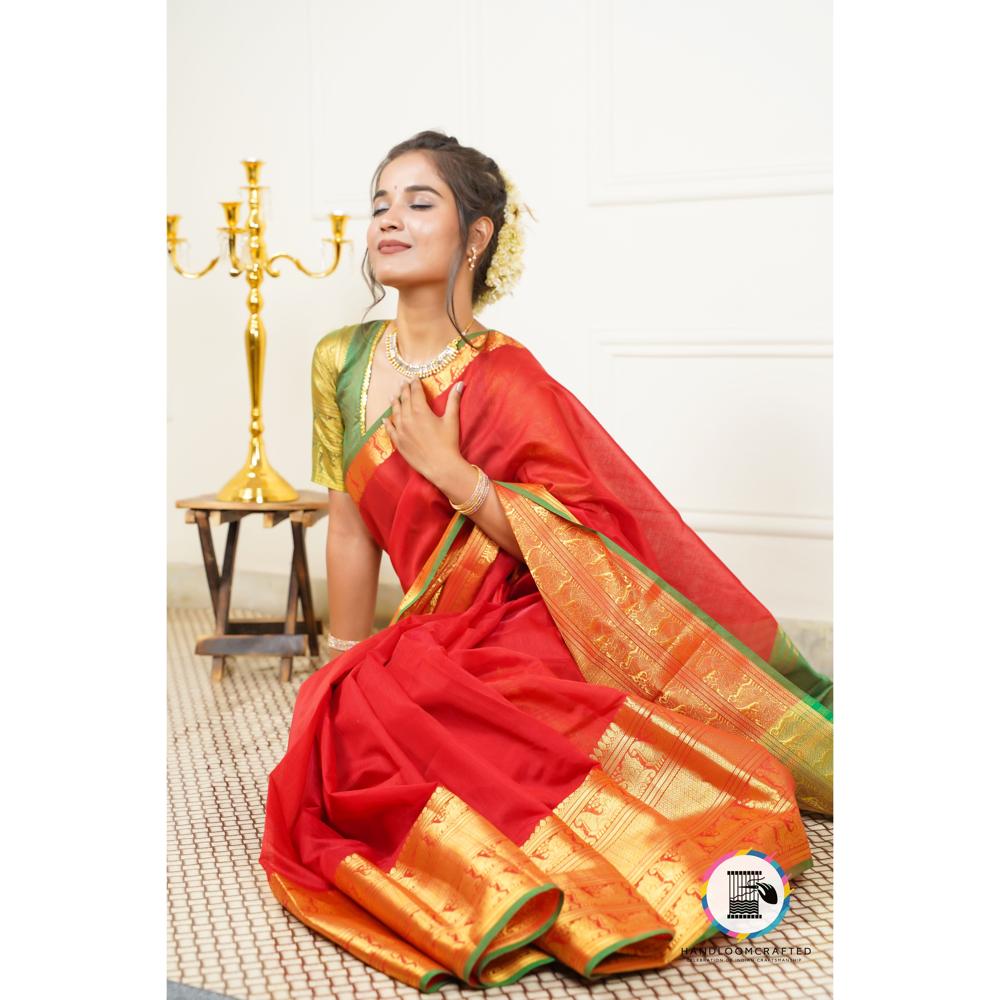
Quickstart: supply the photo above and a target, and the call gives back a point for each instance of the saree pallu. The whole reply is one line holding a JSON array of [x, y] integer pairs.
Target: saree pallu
[[537, 762]]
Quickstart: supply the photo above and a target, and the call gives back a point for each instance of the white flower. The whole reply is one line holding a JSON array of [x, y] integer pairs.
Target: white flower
[[507, 264]]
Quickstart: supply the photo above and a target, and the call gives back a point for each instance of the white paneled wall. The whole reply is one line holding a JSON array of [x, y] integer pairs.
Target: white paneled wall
[[677, 157]]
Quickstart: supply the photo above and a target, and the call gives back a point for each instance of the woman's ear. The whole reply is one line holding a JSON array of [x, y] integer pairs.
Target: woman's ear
[[482, 230]]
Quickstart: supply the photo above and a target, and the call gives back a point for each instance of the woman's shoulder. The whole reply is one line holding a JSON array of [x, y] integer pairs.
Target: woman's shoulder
[[509, 354], [331, 349]]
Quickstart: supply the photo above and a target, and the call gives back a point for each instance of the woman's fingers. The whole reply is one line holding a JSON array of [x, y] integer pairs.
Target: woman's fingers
[[416, 393], [402, 405]]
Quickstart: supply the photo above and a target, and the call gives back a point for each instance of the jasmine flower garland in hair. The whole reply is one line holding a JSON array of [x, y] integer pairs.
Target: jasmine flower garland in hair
[[508, 259]]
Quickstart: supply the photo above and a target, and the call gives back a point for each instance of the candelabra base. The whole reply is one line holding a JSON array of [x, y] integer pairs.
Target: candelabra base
[[258, 483]]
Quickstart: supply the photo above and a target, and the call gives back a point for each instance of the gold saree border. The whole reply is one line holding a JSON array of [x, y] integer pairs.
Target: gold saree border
[[513, 966], [544, 498], [466, 575], [450, 577], [627, 628], [629, 846], [460, 891], [338, 918], [375, 450], [609, 882], [376, 446], [604, 922], [663, 863], [432, 574], [330, 913]]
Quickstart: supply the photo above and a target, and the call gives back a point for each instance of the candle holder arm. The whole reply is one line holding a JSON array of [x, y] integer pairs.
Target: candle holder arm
[[337, 244], [172, 253]]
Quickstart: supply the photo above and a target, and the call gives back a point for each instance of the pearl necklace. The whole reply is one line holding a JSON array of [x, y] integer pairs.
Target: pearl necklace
[[410, 370]]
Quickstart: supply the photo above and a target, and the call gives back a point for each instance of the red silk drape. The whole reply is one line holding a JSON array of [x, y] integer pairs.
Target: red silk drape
[[486, 701]]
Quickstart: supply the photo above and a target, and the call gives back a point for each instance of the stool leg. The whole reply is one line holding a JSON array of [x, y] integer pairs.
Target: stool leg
[[225, 594], [208, 557], [291, 616], [300, 566]]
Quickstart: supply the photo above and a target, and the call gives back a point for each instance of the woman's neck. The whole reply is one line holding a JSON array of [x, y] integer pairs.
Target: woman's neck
[[423, 331]]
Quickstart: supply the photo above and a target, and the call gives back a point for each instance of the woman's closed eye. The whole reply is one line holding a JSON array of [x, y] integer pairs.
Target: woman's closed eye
[[380, 210]]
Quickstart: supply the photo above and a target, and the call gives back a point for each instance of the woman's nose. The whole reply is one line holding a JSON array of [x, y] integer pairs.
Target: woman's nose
[[388, 219]]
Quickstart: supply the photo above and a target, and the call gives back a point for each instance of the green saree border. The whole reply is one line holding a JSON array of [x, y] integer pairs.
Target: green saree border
[[488, 937], [754, 658], [349, 390], [449, 540], [530, 967], [802, 866], [588, 969], [359, 359], [443, 976]]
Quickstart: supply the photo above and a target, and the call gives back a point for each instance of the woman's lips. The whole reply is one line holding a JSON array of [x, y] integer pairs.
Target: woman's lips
[[392, 248]]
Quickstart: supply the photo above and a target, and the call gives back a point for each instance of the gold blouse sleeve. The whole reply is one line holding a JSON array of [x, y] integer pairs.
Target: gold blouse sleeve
[[328, 425]]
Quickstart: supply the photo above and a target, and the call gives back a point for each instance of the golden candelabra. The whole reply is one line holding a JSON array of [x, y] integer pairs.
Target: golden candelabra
[[257, 481]]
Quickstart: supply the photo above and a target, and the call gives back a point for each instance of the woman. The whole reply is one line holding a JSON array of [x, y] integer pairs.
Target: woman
[[577, 708]]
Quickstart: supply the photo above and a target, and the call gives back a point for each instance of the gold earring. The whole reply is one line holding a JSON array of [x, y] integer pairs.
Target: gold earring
[[472, 258]]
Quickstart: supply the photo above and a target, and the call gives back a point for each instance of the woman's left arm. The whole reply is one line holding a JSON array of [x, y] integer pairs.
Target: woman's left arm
[[430, 444]]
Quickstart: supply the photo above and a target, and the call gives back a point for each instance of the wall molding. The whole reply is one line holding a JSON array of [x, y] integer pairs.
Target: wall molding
[[670, 348], [607, 346], [732, 522], [606, 186]]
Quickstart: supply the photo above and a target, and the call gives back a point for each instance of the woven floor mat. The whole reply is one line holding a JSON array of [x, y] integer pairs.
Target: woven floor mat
[[227, 933]]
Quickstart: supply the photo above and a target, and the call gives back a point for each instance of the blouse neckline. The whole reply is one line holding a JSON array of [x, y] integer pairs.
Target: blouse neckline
[[376, 340]]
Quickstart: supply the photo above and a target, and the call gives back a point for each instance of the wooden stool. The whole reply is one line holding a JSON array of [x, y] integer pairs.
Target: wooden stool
[[286, 638]]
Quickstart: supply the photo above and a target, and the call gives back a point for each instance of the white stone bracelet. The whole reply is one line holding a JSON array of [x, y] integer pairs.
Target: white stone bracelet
[[334, 643]]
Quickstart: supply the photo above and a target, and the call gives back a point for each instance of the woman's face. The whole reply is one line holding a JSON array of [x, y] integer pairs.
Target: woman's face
[[412, 206]]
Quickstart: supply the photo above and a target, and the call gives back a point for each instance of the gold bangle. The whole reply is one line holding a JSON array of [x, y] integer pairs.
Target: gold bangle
[[479, 494]]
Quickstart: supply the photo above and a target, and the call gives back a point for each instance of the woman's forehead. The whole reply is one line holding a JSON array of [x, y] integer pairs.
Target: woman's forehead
[[408, 169]]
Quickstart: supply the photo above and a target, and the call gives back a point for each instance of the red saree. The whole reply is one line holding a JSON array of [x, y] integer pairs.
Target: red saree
[[534, 762]]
